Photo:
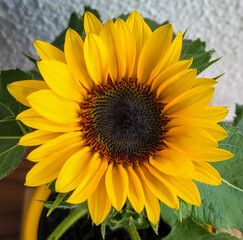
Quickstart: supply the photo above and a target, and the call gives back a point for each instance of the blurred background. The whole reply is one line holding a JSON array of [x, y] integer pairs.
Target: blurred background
[[218, 22]]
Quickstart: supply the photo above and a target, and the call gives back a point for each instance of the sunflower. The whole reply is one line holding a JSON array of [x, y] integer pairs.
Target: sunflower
[[119, 117]]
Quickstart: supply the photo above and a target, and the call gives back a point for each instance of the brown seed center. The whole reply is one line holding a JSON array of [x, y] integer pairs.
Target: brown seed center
[[124, 122]]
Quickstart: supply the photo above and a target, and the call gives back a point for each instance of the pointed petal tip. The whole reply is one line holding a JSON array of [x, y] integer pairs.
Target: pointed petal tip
[[18, 117], [36, 43]]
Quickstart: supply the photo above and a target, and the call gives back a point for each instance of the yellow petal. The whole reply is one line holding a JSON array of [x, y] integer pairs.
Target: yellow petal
[[33, 119], [184, 188], [61, 80], [217, 132], [204, 81], [116, 182], [97, 58], [135, 191], [74, 54], [169, 73], [54, 145], [87, 187], [91, 23], [141, 32], [128, 47], [173, 163], [48, 169], [190, 103], [212, 113], [205, 173], [46, 51], [157, 187], [152, 205], [154, 49], [21, 89], [37, 137], [53, 107], [190, 140], [171, 56], [109, 36], [176, 85], [216, 155], [75, 170], [98, 203]]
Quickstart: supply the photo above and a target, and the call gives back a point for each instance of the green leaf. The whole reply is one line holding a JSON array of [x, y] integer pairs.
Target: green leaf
[[10, 129], [76, 24], [197, 50], [188, 230]]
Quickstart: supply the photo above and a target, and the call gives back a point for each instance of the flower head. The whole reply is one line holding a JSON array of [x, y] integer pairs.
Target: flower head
[[120, 117]]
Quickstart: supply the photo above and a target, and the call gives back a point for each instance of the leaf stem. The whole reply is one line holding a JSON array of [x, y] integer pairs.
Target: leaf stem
[[67, 222], [132, 230]]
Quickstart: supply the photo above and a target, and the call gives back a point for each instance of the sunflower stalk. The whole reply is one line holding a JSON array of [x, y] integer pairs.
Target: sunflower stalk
[[67, 223], [132, 230]]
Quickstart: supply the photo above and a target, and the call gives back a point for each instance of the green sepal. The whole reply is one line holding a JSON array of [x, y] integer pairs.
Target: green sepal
[[103, 229], [49, 204], [155, 227], [31, 59], [219, 76], [51, 186], [61, 197], [117, 219]]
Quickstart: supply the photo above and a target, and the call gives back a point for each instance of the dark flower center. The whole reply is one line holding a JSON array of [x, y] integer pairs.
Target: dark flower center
[[124, 121]]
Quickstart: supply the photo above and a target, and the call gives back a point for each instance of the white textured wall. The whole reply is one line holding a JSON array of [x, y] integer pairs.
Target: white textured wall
[[218, 22]]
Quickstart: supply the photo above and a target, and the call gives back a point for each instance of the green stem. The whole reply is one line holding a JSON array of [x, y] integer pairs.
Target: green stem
[[132, 230], [67, 222]]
